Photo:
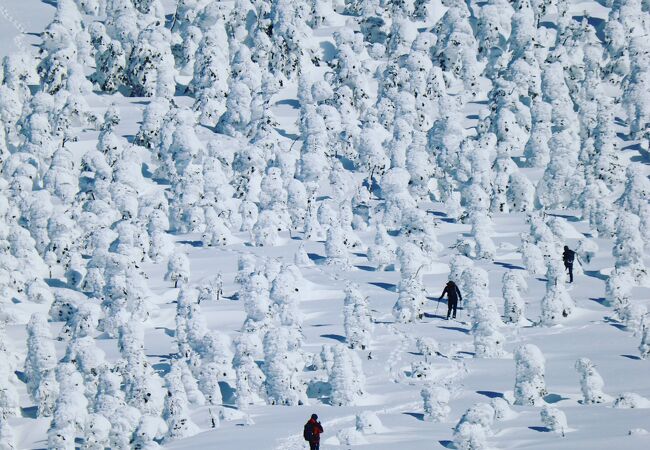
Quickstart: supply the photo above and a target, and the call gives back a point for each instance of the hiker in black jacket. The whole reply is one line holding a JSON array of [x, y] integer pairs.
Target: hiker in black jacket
[[453, 295], [568, 256]]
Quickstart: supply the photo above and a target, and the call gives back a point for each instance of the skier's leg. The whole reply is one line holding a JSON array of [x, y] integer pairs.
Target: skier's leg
[[449, 307], [455, 307]]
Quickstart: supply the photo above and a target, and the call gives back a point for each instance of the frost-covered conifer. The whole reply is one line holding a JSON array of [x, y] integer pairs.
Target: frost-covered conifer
[[488, 340], [557, 303], [142, 386], [382, 252], [644, 346], [250, 378], [9, 397], [346, 377], [178, 269], [244, 90], [265, 232], [474, 427], [152, 121], [176, 410], [211, 71], [150, 69], [356, 318], [591, 383], [7, 437], [150, 431], [255, 295], [283, 365], [481, 230], [409, 306], [40, 363], [285, 295], [96, 432], [530, 386], [554, 419], [211, 290], [110, 66], [628, 244], [335, 249], [514, 308], [436, 403], [70, 411]]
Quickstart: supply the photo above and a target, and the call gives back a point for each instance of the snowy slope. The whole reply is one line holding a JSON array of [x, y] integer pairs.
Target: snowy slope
[[592, 330]]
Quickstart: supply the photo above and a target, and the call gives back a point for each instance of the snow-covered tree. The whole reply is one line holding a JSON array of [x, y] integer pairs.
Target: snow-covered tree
[[488, 340], [250, 378], [150, 69], [176, 410], [591, 383], [473, 428], [436, 403], [356, 318], [283, 365], [70, 411], [644, 346], [40, 364], [554, 419], [530, 386], [96, 432], [513, 283], [557, 303], [178, 269], [382, 252], [346, 377]]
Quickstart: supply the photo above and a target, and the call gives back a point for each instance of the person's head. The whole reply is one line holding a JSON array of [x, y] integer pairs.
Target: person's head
[[314, 417], [450, 283], [566, 247]]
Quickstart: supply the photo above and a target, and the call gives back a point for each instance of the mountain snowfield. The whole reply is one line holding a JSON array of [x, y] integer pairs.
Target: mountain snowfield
[[218, 218]]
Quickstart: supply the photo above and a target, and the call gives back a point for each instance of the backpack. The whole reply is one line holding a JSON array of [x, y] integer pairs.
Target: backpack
[[308, 432], [569, 256]]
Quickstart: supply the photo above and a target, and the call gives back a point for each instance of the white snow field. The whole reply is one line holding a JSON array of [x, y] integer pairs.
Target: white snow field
[[217, 218]]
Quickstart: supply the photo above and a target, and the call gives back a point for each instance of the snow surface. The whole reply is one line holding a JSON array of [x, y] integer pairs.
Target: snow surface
[[591, 331]]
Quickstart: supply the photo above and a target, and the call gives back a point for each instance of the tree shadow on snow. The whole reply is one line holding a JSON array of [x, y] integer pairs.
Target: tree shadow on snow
[[56, 283], [227, 393], [490, 394], [197, 244], [596, 274], [30, 412], [554, 398], [462, 330], [315, 257], [600, 300], [508, 266], [388, 286], [636, 358], [366, 268], [615, 324], [418, 416], [447, 444], [540, 429], [168, 331], [336, 337]]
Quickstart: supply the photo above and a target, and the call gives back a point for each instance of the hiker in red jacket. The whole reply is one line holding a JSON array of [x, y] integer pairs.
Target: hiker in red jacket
[[312, 432]]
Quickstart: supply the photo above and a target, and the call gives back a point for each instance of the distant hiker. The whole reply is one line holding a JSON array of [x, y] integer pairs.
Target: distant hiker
[[312, 432], [568, 256], [453, 295]]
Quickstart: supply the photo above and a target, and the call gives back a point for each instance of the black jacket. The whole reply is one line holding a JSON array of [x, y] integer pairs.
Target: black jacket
[[452, 292], [568, 256]]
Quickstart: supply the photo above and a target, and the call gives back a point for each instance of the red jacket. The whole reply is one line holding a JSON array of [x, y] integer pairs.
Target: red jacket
[[317, 429]]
